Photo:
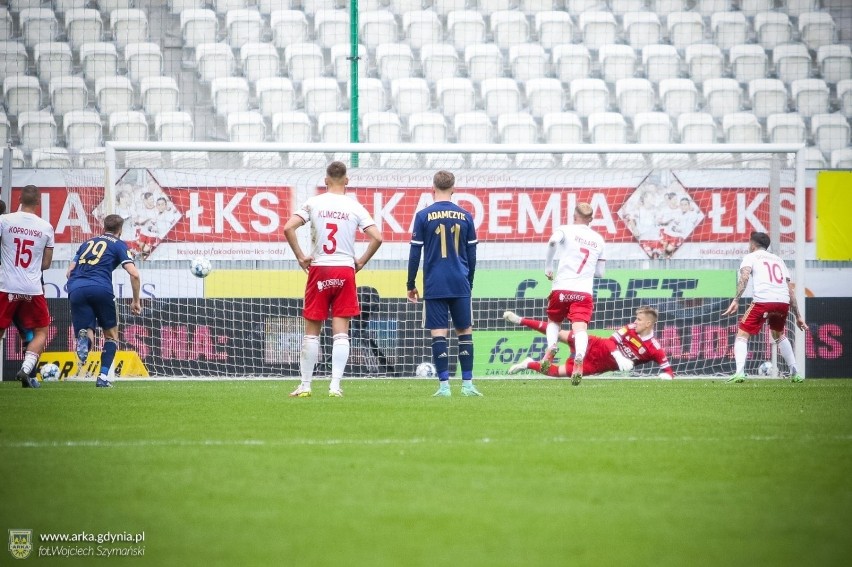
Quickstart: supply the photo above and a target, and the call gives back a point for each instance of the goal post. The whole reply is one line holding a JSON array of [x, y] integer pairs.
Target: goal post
[[676, 218]]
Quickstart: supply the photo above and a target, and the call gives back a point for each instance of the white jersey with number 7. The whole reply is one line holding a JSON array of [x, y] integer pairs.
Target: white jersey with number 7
[[334, 221], [769, 277], [578, 250]]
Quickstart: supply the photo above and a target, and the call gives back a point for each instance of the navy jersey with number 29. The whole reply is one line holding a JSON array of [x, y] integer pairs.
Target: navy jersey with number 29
[[447, 237], [95, 261]]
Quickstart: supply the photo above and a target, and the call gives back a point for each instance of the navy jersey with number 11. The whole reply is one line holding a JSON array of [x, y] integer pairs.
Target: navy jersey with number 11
[[446, 235]]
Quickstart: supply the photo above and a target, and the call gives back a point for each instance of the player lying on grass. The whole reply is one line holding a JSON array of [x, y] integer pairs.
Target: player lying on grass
[[630, 345]]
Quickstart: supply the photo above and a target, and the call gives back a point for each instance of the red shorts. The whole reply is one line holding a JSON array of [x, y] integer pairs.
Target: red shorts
[[29, 310], [573, 305], [598, 356], [775, 314], [331, 286]]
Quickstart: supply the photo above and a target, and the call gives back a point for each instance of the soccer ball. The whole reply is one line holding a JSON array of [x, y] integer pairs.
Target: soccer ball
[[765, 369], [49, 372], [426, 370], [200, 267]]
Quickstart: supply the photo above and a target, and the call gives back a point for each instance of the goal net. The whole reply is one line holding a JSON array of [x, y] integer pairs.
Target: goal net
[[676, 220]]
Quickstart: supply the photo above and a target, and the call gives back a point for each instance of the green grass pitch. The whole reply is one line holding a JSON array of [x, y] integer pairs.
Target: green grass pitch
[[537, 472]]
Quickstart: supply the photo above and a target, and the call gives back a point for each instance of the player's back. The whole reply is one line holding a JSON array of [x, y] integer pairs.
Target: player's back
[[580, 250], [95, 261], [769, 277], [334, 219], [23, 238], [446, 231]]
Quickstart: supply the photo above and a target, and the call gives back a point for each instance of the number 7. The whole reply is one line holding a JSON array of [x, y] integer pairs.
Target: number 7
[[585, 252]]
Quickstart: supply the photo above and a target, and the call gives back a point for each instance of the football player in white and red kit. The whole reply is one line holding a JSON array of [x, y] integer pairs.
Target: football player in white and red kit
[[631, 345], [579, 252], [331, 266], [771, 304], [26, 246]]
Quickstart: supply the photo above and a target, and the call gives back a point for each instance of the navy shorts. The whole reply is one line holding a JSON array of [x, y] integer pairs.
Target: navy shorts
[[92, 307], [439, 310]]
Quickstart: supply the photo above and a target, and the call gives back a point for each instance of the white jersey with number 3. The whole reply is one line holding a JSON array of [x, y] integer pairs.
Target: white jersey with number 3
[[23, 238], [334, 221], [769, 277], [578, 250]]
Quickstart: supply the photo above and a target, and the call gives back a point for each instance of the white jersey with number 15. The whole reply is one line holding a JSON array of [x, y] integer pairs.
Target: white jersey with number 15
[[578, 251], [769, 276], [334, 221]]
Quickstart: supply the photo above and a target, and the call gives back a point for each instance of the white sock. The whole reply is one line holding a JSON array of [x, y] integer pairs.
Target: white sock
[[552, 334], [740, 353], [30, 360], [308, 359], [339, 358], [786, 350], [581, 343]]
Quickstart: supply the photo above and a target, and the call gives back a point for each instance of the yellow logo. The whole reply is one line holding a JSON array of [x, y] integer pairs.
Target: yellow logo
[[20, 543]]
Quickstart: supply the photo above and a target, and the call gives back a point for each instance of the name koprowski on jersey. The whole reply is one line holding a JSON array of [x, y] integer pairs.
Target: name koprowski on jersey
[[20, 234], [334, 221], [580, 248], [769, 277]]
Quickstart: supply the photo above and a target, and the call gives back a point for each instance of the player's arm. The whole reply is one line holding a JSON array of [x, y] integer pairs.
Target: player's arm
[[471, 263], [666, 371], [413, 265], [554, 241], [46, 258], [375, 236], [794, 307], [617, 338], [600, 268], [290, 233], [742, 282], [135, 285]]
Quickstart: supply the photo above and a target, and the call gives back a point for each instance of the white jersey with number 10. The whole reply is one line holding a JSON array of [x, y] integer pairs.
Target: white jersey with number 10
[[334, 221], [578, 252], [769, 277]]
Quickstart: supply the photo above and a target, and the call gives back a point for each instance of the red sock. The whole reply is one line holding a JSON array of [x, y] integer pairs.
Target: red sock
[[552, 371], [540, 326]]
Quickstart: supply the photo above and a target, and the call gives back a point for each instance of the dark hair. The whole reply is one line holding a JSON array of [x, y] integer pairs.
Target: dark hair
[[163, 199], [148, 194], [682, 199], [30, 196], [760, 239], [444, 180], [336, 170], [670, 195], [113, 224], [2, 206]]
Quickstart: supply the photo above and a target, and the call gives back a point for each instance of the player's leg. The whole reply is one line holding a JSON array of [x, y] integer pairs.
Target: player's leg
[[83, 319], [554, 370], [750, 324], [102, 304], [436, 319], [34, 315], [107, 357], [580, 313], [557, 309], [461, 311], [308, 357], [777, 321], [344, 306]]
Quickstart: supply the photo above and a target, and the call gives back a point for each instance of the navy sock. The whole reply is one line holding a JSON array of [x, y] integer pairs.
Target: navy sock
[[108, 355], [466, 356], [440, 357]]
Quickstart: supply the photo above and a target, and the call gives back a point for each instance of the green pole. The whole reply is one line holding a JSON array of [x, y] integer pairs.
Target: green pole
[[353, 77]]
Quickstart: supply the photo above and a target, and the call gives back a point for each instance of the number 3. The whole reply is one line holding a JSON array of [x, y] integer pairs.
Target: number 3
[[331, 245]]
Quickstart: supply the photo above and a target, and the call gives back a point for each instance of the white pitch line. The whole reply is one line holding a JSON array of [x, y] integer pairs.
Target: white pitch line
[[106, 444]]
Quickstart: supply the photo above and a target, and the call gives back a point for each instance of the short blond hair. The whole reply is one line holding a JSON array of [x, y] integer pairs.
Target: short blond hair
[[584, 211], [648, 310], [444, 180]]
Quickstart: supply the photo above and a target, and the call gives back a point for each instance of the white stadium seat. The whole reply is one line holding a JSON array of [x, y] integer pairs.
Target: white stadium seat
[[607, 128], [311, 7], [786, 128], [246, 127], [128, 26], [528, 61], [394, 61], [401, 7], [465, 27], [571, 62], [427, 128], [83, 26], [621, 8], [517, 128], [509, 28], [577, 7], [320, 94], [92, 158], [642, 28], [835, 63], [275, 94], [660, 62], [99, 59], [422, 27], [222, 7], [113, 94], [814, 158], [53, 59], [341, 65], [444, 7], [491, 6], [599, 28], [589, 96], [553, 28], [7, 30], [244, 26], [742, 128], [438, 60], [678, 96], [159, 94], [173, 127], [292, 127], [500, 95], [230, 94], [67, 93], [130, 126], [816, 29], [772, 29], [704, 62], [36, 129], [722, 97], [792, 61], [22, 94], [38, 25], [483, 60], [748, 62], [810, 96], [303, 60], [616, 62], [768, 96], [214, 60], [288, 27], [562, 128], [5, 128], [198, 26], [371, 96], [750, 8], [455, 95], [377, 27], [696, 128], [178, 6], [333, 127], [844, 95], [830, 132], [410, 95], [331, 27], [729, 29], [143, 60], [82, 129], [259, 60], [652, 128], [685, 28], [51, 158], [841, 158], [472, 128], [13, 59], [708, 7], [544, 96], [381, 127], [664, 8], [634, 96]]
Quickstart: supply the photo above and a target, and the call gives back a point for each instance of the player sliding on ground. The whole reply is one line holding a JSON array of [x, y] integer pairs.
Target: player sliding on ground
[[631, 345]]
